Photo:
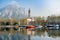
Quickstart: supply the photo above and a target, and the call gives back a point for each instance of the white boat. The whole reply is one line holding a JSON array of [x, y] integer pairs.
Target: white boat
[[52, 27]]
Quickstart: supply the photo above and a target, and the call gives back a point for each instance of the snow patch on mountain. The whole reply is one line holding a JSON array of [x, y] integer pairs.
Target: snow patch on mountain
[[13, 10]]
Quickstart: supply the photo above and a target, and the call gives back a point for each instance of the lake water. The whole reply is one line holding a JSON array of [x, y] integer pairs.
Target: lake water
[[26, 34]]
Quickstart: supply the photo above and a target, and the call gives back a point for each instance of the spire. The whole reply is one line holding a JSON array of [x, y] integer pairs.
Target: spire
[[29, 13]]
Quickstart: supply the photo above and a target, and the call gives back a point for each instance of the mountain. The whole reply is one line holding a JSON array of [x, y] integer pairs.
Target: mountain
[[12, 10]]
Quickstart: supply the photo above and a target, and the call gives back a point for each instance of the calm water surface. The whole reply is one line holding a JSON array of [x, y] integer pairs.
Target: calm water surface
[[26, 34]]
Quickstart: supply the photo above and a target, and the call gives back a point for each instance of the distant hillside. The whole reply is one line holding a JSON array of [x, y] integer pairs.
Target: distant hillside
[[12, 11]]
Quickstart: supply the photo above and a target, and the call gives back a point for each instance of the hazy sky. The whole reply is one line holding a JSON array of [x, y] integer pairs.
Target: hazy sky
[[38, 7]]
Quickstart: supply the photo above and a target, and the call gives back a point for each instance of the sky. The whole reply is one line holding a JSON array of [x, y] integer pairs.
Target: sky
[[37, 7]]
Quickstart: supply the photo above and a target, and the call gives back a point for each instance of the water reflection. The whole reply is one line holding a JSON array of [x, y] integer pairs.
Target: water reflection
[[54, 33], [27, 34], [12, 36]]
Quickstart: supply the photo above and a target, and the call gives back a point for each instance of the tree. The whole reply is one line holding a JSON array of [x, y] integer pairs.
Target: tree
[[15, 23], [39, 20], [23, 21], [7, 23]]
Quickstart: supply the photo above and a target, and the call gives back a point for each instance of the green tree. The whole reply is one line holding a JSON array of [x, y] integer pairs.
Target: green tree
[[39, 20], [23, 21]]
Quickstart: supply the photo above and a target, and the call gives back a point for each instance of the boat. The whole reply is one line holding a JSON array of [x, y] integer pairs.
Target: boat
[[52, 27], [30, 27]]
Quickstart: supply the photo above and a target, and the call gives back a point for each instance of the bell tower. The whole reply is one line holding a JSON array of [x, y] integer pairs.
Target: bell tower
[[29, 13]]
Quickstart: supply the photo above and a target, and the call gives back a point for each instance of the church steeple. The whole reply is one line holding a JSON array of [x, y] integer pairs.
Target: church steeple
[[29, 13]]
